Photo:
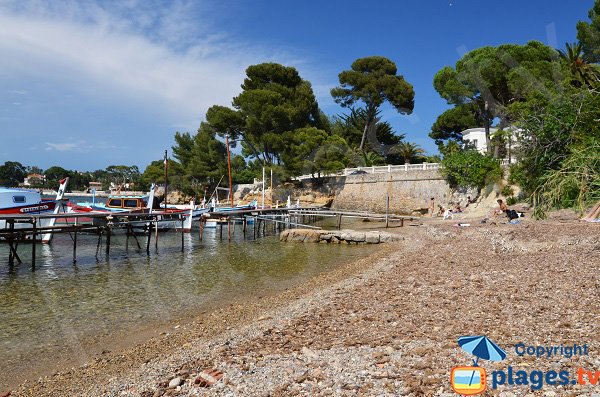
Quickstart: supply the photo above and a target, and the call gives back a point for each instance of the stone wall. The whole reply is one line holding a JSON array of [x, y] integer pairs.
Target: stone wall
[[409, 191]]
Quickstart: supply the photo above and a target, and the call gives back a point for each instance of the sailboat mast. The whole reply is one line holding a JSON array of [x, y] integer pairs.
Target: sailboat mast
[[166, 176], [229, 169]]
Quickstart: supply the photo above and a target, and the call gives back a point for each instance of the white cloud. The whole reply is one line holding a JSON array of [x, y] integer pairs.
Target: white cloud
[[143, 52], [79, 146], [61, 147]]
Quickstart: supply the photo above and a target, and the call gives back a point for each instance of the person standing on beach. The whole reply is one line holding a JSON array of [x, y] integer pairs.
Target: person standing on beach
[[432, 207]]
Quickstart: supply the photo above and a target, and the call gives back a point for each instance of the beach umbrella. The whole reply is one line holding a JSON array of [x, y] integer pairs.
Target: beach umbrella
[[481, 347]]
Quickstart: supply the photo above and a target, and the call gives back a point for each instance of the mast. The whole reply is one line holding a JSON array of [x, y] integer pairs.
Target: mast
[[229, 169], [271, 181], [166, 161], [263, 189]]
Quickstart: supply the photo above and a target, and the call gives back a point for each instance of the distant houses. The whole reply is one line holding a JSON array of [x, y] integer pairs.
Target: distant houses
[[97, 186], [34, 180]]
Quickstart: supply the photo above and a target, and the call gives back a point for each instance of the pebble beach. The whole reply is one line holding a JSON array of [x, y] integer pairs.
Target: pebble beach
[[385, 325]]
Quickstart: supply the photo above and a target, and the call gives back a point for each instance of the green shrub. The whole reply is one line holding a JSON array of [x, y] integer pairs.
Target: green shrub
[[470, 169], [507, 191]]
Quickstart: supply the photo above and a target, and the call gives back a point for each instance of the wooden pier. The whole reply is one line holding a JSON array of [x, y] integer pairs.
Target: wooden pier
[[25, 229], [22, 229]]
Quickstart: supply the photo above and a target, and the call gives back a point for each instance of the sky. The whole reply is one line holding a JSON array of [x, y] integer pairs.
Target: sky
[[88, 84]]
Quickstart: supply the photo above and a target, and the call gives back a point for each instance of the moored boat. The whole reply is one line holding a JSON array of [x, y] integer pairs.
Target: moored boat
[[167, 218], [15, 201]]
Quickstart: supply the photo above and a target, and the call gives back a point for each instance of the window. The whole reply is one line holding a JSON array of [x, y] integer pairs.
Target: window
[[19, 199], [130, 203], [115, 203]]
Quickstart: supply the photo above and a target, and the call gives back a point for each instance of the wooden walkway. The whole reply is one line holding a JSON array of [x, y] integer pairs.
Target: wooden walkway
[[26, 228]]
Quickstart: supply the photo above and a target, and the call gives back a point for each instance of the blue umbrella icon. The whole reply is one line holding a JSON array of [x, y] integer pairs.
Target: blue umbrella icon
[[481, 347]]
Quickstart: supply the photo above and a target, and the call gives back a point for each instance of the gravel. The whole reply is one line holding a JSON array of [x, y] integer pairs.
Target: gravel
[[386, 325]]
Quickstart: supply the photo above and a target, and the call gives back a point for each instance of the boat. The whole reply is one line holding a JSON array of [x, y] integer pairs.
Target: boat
[[168, 218], [212, 223], [16, 201]]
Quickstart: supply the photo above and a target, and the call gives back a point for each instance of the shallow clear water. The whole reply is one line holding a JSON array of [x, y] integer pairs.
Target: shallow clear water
[[61, 304]]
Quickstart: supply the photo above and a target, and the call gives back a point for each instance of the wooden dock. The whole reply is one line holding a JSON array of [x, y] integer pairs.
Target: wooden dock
[[22, 229], [25, 228]]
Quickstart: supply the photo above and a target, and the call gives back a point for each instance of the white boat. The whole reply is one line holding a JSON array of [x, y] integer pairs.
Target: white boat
[[14, 201], [168, 218]]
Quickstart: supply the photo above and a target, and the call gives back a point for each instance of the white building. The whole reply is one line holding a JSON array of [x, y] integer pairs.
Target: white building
[[476, 136]]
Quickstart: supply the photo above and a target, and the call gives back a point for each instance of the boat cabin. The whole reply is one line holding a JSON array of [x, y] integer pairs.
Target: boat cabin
[[126, 203], [23, 201]]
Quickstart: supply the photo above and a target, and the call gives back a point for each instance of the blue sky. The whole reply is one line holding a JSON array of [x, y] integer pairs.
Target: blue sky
[[87, 84]]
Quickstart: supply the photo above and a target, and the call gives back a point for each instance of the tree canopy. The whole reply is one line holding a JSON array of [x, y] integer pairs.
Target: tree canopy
[[485, 81], [273, 103], [11, 173], [588, 34], [373, 81]]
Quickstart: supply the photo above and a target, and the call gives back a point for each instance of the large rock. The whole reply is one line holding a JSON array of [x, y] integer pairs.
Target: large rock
[[372, 238], [337, 236]]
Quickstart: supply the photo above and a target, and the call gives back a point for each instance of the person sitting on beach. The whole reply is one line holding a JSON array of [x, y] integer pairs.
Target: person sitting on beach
[[441, 210], [457, 208], [501, 208], [470, 201]]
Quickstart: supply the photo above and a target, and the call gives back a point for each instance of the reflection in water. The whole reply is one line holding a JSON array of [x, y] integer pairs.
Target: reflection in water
[[62, 304]]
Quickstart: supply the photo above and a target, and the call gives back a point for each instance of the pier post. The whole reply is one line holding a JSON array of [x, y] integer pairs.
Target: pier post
[[339, 225], [182, 234], [244, 225], [108, 233], [156, 234], [228, 229], [202, 220], [220, 229], [387, 211], [149, 232], [99, 241], [74, 246], [33, 242], [134, 237]]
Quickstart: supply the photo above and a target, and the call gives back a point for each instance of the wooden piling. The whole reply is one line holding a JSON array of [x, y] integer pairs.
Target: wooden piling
[[387, 212], [33, 243], [202, 220], [74, 246], [99, 242], [155, 233], [108, 233], [148, 228], [182, 234]]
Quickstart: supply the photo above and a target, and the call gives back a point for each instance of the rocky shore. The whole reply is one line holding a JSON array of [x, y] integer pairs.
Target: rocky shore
[[386, 325], [338, 236]]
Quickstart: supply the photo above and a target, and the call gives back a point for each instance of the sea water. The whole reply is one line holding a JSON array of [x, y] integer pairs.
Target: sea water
[[57, 309]]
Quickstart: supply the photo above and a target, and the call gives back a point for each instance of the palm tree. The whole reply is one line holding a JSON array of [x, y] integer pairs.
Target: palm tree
[[408, 151], [583, 72]]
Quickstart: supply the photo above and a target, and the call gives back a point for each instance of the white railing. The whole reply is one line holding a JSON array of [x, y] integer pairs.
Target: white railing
[[381, 169]]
